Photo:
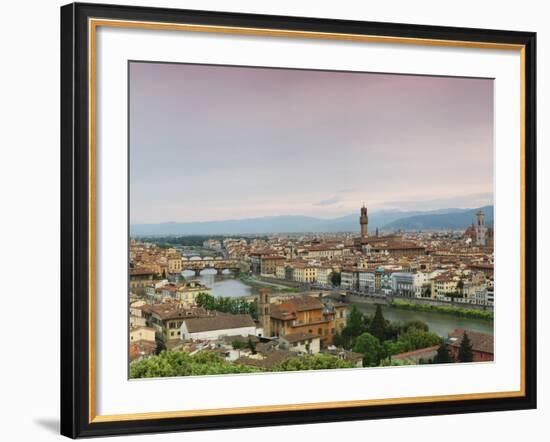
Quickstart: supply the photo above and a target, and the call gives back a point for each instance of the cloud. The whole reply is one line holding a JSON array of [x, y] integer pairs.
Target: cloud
[[328, 202], [469, 201]]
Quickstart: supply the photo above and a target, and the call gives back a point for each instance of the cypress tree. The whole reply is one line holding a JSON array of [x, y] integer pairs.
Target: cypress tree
[[378, 325], [442, 356], [465, 353]]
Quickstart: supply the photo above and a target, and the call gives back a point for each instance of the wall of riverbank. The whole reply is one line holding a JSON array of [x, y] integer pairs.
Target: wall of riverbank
[[384, 300]]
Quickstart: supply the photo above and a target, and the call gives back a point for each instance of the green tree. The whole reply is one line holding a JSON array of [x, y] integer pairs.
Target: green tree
[[340, 341], [420, 339], [239, 345], [251, 345], [378, 325], [161, 346], [392, 347], [176, 363], [320, 361], [465, 352], [356, 322], [369, 346], [417, 324], [336, 278], [442, 356], [412, 339], [235, 306], [393, 329]]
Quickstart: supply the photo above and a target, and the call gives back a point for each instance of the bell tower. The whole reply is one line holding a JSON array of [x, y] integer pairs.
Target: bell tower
[[481, 230], [264, 310], [364, 222]]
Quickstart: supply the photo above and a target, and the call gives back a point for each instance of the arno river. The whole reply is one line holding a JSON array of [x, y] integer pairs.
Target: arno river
[[226, 285], [222, 285]]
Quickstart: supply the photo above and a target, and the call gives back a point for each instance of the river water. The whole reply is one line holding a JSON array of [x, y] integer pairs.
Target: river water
[[222, 285], [439, 323], [227, 285]]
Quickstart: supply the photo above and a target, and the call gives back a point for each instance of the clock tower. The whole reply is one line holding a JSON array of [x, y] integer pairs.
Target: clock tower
[[364, 222]]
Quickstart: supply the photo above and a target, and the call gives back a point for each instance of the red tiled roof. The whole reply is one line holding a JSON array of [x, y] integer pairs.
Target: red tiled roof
[[481, 342], [418, 352]]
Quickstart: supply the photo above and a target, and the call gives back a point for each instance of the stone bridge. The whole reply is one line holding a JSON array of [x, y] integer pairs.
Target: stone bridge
[[218, 264]]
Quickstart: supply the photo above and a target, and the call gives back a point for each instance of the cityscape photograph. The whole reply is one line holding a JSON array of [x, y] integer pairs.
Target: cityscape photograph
[[298, 219]]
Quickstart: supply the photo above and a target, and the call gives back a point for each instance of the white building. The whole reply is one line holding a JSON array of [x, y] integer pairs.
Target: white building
[[307, 343], [323, 275], [490, 296], [216, 327], [409, 284], [347, 280], [366, 282]]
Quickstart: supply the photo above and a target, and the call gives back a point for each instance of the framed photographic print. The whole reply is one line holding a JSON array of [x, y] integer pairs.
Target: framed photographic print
[[274, 220]]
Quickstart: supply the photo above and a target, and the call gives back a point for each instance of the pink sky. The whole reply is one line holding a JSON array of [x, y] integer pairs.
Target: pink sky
[[211, 142]]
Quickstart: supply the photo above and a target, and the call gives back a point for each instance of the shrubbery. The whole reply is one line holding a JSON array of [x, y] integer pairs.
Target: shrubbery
[[235, 306], [449, 310], [319, 361], [176, 363]]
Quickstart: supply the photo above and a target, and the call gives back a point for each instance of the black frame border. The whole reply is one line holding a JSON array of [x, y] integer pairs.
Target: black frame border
[[75, 220]]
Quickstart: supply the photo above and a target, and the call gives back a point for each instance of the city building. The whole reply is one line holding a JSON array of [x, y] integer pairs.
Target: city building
[[216, 327], [167, 318], [305, 314], [140, 278], [482, 345], [411, 284], [481, 229], [324, 274], [422, 355], [366, 281], [364, 223], [304, 273], [443, 285], [301, 342], [269, 263], [264, 311]]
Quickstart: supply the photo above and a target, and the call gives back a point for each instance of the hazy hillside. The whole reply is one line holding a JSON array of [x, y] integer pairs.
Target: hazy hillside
[[387, 220], [455, 220]]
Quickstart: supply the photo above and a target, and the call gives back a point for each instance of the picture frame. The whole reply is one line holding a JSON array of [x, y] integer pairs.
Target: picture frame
[[79, 211]]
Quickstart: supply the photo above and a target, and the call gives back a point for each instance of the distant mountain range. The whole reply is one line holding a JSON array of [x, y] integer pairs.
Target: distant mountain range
[[457, 219], [387, 220]]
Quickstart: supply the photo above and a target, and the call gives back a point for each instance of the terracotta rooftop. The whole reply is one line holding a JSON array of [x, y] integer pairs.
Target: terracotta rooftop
[[482, 342], [268, 361], [221, 322], [141, 271], [299, 336], [174, 311], [302, 303], [419, 352]]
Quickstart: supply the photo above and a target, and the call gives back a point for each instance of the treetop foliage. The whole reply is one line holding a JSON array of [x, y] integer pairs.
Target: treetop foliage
[[235, 306], [176, 363]]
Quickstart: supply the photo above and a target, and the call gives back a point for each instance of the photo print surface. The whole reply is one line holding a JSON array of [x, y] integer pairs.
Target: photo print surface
[[288, 219]]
